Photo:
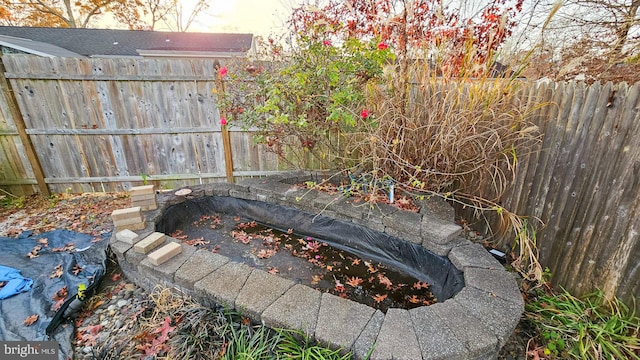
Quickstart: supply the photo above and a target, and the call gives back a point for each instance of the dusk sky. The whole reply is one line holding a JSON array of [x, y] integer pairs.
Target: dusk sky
[[260, 17]]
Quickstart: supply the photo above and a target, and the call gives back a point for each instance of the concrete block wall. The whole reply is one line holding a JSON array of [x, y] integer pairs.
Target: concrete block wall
[[474, 324]]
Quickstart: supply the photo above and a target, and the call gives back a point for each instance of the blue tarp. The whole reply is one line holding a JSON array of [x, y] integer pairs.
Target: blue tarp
[[14, 282]]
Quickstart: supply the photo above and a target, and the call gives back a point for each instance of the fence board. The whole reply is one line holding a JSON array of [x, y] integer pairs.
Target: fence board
[[584, 184]]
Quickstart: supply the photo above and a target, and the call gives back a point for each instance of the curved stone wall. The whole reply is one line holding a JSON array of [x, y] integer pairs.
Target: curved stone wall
[[473, 324]]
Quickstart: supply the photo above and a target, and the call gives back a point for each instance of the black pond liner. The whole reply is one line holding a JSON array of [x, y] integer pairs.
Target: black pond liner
[[445, 279]]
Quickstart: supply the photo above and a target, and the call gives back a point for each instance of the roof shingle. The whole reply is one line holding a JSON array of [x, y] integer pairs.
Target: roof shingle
[[108, 42]]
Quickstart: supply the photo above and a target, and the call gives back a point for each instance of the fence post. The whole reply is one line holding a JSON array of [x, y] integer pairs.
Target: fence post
[[228, 156], [226, 137], [16, 114]]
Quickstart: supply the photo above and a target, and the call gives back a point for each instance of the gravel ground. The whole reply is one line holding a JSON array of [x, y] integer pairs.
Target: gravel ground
[[111, 324]]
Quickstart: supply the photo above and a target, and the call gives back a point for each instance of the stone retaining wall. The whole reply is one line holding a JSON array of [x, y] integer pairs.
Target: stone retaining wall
[[474, 324]]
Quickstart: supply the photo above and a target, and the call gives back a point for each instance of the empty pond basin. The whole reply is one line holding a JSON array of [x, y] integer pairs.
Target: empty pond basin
[[348, 260]]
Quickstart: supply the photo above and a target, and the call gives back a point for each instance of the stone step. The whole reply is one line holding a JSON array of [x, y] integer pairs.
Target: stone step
[[126, 213], [149, 243], [137, 226], [145, 205], [143, 197], [127, 236], [140, 190], [129, 221], [164, 253]]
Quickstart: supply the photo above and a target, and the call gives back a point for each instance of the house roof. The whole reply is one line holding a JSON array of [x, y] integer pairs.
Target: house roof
[[108, 42], [35, 47]]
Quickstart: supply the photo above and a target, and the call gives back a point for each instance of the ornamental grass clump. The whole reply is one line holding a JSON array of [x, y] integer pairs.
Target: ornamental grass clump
[[588, 327], [380, 93]]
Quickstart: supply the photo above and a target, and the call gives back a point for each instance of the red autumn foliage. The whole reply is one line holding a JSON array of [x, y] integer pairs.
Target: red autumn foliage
[[412, 24]]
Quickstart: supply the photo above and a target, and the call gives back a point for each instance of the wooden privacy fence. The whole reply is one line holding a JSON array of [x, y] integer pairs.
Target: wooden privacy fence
[[583, 182], [101, 124]]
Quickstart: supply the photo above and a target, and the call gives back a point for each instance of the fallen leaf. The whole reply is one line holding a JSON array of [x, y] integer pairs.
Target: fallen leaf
[[414, 299], [44, 242], [339, 287], [420, 285], [67, 247], [370, 267], [241, 236], [428, 302], [31, 319], [178, 234], [76, 269], [385, 281], [196, 242], [61, 294], [273, 270], [57, 272], [88, 335], [116, 276], [266, 253], [315, 279], [379, 298], [354, 281], [34, 252], [289, 231], [56, 306], [355, 261]]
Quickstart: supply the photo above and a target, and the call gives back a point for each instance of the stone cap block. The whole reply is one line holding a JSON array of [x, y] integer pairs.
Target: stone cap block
[[224, 284], [121, 214], [259, 291], [367, 338], [141, 190], [149, 243], [296, 309], [437, 207], [403, 221], [134, 227], [498, 283], [127, 236], [473, 255], [163, 254], [437, 231], [500, 316], [340, 321], [479, 340], [143, 202], [168, 269], [133, 220], [435, 338], [119, 247], [397, 339], [201, 264]]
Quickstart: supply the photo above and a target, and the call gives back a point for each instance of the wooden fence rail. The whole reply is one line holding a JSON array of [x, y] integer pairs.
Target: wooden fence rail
[[103, 124]]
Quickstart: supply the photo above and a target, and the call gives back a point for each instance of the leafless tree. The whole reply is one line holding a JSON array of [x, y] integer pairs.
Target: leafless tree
[[180, 19]]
